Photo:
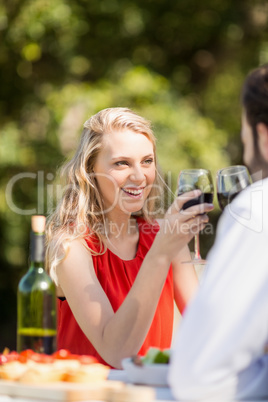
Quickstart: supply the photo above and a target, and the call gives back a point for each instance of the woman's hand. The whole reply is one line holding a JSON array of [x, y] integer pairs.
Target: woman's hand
[[179, 226]]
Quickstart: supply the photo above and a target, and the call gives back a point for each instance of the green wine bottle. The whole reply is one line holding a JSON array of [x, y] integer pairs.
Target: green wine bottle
[[36, 308]]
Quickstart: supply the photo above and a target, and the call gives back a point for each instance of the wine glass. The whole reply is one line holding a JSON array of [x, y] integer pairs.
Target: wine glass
[[230, 182], [192, 179]]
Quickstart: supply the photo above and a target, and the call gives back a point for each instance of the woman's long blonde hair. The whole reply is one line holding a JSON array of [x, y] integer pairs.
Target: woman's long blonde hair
[[80, 211]]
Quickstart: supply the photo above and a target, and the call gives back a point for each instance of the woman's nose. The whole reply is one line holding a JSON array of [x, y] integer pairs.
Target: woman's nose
[[137, 174]]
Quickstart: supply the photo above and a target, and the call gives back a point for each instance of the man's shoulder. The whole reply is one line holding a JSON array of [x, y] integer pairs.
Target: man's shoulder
[[248, 212]]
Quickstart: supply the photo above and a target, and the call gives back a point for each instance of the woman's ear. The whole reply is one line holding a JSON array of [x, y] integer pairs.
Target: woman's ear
[[262, 131]]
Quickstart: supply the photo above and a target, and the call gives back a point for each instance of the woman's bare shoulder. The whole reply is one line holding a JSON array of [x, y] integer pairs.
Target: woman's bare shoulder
[[78, 246]]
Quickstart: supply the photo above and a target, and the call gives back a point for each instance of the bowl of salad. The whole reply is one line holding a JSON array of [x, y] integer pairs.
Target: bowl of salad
[[151, 369]]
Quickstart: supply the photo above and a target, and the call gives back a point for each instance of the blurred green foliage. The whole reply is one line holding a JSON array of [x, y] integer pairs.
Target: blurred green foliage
[[179, 63]]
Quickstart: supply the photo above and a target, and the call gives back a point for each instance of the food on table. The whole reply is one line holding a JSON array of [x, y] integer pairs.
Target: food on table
[[30, 367], [153, 356]]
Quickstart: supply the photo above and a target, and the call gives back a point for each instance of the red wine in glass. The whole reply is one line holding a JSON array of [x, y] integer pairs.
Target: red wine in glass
[[230, 182], [191, 179], [201, 199]]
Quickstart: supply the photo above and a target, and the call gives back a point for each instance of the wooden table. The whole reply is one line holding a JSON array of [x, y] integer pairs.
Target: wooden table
[[116, 389]]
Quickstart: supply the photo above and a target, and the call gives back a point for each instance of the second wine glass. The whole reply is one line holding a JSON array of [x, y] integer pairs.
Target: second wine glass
[[192, 179], [230, 182]]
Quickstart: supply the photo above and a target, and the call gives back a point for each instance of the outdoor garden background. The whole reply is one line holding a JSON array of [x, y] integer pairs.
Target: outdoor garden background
[[179, 63]]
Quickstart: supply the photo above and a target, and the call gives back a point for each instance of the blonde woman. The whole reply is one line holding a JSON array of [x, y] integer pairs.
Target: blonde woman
[[117, 271]]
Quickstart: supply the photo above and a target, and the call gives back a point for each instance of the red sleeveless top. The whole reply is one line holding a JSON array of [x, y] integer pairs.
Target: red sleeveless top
[[116, 277]]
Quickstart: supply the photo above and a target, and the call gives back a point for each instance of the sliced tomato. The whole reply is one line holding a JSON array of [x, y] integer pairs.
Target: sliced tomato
[[23, 359], [9, 357], [35, 356], [25, 355], [42, 358], [87, 359], [46, 359], [62, 354], [3, 359], [13, 356], [73, 356]]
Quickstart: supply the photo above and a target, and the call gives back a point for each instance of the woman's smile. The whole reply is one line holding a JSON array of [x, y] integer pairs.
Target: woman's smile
[[134, 192]]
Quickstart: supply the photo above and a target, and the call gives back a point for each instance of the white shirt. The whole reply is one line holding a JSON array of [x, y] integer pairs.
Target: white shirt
[[219, 347]]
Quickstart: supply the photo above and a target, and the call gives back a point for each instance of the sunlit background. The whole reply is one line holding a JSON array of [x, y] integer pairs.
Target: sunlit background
[[179, 63]]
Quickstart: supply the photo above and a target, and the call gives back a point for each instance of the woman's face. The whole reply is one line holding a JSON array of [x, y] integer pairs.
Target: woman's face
[[125, 171]]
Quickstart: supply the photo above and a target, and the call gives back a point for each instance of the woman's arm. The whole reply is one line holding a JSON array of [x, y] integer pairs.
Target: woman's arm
[[184, 278], [121, 334], [114, 335]]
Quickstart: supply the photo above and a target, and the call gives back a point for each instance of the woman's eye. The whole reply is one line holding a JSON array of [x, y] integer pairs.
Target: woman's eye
[[121, 163], [149, 161]]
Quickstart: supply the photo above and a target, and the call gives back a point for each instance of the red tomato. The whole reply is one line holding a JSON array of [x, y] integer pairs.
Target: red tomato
[[42, 358], [47, 359], [86, 359], [62, 354], [8, 357], [3, 359], [73, 356], [13, 356], [25, 355], [23, 359]]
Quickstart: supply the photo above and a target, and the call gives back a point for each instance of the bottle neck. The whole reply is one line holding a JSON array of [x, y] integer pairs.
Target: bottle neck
[[37, 266], [37, 250]]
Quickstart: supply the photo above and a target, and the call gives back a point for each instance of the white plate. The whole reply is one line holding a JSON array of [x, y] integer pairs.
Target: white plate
[[149, 374]]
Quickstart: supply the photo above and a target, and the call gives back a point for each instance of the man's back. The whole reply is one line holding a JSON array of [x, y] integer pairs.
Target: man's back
[[219, 350]]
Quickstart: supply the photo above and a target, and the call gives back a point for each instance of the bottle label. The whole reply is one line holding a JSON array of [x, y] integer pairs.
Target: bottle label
[[37, 331]]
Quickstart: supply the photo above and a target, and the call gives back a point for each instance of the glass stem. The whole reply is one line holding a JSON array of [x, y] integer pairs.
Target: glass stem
[[197, 255]]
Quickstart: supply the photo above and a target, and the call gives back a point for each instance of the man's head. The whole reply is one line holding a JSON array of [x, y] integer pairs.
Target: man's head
[[254, 131]]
